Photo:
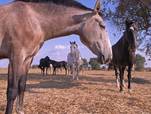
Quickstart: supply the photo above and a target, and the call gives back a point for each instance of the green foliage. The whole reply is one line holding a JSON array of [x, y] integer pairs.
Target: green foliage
[[116, 11], [34, 66], [85, 64], [139, 62], [94, 64]]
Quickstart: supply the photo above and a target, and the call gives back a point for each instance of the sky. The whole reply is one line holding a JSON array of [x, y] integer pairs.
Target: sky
[[57, 49]]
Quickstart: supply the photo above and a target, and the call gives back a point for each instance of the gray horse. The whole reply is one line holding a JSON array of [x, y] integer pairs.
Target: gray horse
[[25, 26], [74, 60]]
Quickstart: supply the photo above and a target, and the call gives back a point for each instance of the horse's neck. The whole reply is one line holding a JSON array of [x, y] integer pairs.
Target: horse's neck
[[77, 54], [60, 20], [123, 42]]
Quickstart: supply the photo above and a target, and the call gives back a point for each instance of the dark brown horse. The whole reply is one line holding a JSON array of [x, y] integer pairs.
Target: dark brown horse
[[59, 64], [44, 63], [124, 52], [25, 26]]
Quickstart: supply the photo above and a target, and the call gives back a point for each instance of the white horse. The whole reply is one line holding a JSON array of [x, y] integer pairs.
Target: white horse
[[74, 60]]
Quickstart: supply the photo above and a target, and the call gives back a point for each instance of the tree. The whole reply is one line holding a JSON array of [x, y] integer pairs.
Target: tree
[[94, 64], [85, 64], [34, 66], [116, 11], [139, 62]]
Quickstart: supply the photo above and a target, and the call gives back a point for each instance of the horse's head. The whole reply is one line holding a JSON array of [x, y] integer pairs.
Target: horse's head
[[131, 34], [94, 35], [47, 58], [73, 48]]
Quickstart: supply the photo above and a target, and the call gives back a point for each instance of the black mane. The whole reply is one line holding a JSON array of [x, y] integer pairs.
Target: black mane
[[68, 3]]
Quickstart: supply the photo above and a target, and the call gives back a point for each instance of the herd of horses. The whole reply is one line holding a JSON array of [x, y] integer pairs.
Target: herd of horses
[[46, 63], [26, 24], [74, 62]]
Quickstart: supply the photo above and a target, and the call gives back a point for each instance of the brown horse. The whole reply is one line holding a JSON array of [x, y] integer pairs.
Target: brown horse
[[124, 53], [25, 25]]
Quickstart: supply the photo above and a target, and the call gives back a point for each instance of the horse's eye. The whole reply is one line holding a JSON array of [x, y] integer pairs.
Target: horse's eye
[[102, 26]]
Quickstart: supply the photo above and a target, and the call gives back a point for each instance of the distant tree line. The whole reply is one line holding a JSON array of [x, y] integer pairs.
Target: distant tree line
[[139, 63]]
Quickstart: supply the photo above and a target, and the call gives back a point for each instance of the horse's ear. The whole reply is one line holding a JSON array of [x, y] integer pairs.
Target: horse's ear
[[97, 6], [127, 21], [74, 42], [136, 22], [70, 42]]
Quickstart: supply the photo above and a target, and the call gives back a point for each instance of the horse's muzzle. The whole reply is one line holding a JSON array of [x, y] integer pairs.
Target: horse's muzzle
[[71, 54], [104, 59]]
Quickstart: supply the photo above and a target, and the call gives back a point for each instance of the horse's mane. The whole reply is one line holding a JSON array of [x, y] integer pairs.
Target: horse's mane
[[68, 3]]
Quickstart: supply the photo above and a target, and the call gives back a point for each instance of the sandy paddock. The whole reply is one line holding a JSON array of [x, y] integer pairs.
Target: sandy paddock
[[94, 93]]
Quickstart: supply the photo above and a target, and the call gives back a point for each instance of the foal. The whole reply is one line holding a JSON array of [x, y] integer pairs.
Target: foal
[[74, 60], [124, 52]]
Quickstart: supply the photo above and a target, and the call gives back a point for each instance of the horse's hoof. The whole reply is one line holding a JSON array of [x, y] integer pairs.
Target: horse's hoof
[[117, 86], [123, 85], [20, 112], [129, 90], [121, 91]]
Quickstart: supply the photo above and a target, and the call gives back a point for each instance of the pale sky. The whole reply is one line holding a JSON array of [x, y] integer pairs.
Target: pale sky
[[58, 49]]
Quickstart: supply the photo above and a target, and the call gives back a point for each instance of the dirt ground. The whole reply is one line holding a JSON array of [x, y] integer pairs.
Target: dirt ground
[[94, 93]]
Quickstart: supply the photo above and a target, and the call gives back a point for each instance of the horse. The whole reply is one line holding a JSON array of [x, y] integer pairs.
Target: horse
[[124, 53], [26, 24], [81, 68], [74, 60], [59, 64], [44, 63]]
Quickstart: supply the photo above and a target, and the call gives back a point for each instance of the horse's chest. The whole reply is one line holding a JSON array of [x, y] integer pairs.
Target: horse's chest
[[127, 58]]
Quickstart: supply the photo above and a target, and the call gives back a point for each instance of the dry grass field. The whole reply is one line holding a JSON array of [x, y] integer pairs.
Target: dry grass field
[[94, 93]]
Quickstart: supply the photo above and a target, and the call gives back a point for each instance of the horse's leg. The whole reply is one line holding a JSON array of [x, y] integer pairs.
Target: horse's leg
[[43, 69], [68, 70], [61, 70], [121, 79], [54, 71], [22, 85], [73, 71], [65, 69], [46, 70], [14, 73], [78, 69], [116, 74], [82, 70], [50, 70], [12, 88], [123, 69], [129, 76]]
